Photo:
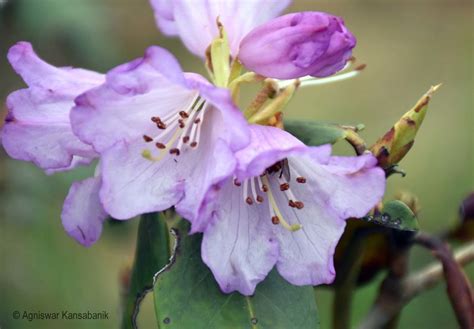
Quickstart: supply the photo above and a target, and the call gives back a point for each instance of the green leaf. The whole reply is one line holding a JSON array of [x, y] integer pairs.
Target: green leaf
[[315, 133], [397, 215], [152, 254], [187, 296]]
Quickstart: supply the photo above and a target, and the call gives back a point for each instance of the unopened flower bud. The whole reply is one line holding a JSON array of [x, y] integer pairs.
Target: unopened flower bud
[[395, 144], [297, 45]]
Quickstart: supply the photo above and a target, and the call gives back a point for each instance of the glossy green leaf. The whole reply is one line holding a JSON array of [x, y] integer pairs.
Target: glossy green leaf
[[397, 215], [187, 296], [152, 254], [315, 133]]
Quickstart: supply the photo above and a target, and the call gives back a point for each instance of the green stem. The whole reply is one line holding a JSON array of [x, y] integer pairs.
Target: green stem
[[346, 282]]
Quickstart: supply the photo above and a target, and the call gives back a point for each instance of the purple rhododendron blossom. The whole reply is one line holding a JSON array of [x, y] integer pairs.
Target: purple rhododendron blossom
[[296, 45], [279, 185], [195, 21], [164, 136], [37, 129]]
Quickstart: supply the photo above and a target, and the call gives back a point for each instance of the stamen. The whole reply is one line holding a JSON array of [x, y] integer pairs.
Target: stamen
[[254, 191], [275, 220], [170, 124], [274, 210], [174, 151], [289, 194], [236, 182], [249, 201], [199, 119], [260, 184], [299, 204], [301, 180], [284, 186], [186, 138], [244, 189], [161, 125]]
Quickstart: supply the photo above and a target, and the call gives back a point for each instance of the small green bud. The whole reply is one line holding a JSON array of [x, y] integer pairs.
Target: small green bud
[[396, 143]]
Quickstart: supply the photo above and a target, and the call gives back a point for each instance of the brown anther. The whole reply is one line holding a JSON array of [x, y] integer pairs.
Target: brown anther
[[181, 123], [197, 120], [259, 198], [284, 186], [275, 220], [249, 201], [185, 139], [299, 205], [264, 188], [147, 139], [360, 67], [155, 119], [174, 151], [236, 182], [301, 180], [193, 144], [160, 145], [160, 125], [183, 114], [292, 204]]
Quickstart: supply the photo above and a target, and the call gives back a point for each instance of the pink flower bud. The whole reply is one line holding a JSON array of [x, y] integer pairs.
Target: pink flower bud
[[296, 45]]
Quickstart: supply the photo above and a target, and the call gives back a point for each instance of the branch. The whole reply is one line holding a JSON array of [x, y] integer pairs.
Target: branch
[[395, 294]]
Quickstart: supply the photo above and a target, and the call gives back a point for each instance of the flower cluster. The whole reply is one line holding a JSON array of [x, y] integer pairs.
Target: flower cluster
[[166, 138]]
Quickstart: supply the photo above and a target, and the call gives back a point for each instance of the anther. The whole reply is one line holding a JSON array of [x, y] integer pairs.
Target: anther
[[259, 198], [183, 114], [291, 203], [299, 205], [160, 145], [174, 151], [301, 180], [197, 120], [181, 123], [160, 125], [249, 201], [185, 139], [275, 220], [155, 119], [264, 188], [193, 144], [147, 138], [284, 186], [236, 182]]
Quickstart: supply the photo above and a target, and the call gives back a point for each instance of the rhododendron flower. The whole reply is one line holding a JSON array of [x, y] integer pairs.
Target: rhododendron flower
[[164, 136], [296, 45], [37, 129], [195, 21], [285, 207]]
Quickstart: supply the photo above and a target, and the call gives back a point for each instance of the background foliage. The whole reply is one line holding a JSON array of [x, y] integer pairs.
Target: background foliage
[[408, 46]]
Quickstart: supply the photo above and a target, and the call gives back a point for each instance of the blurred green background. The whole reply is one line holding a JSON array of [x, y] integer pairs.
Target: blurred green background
[[408, 45]]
